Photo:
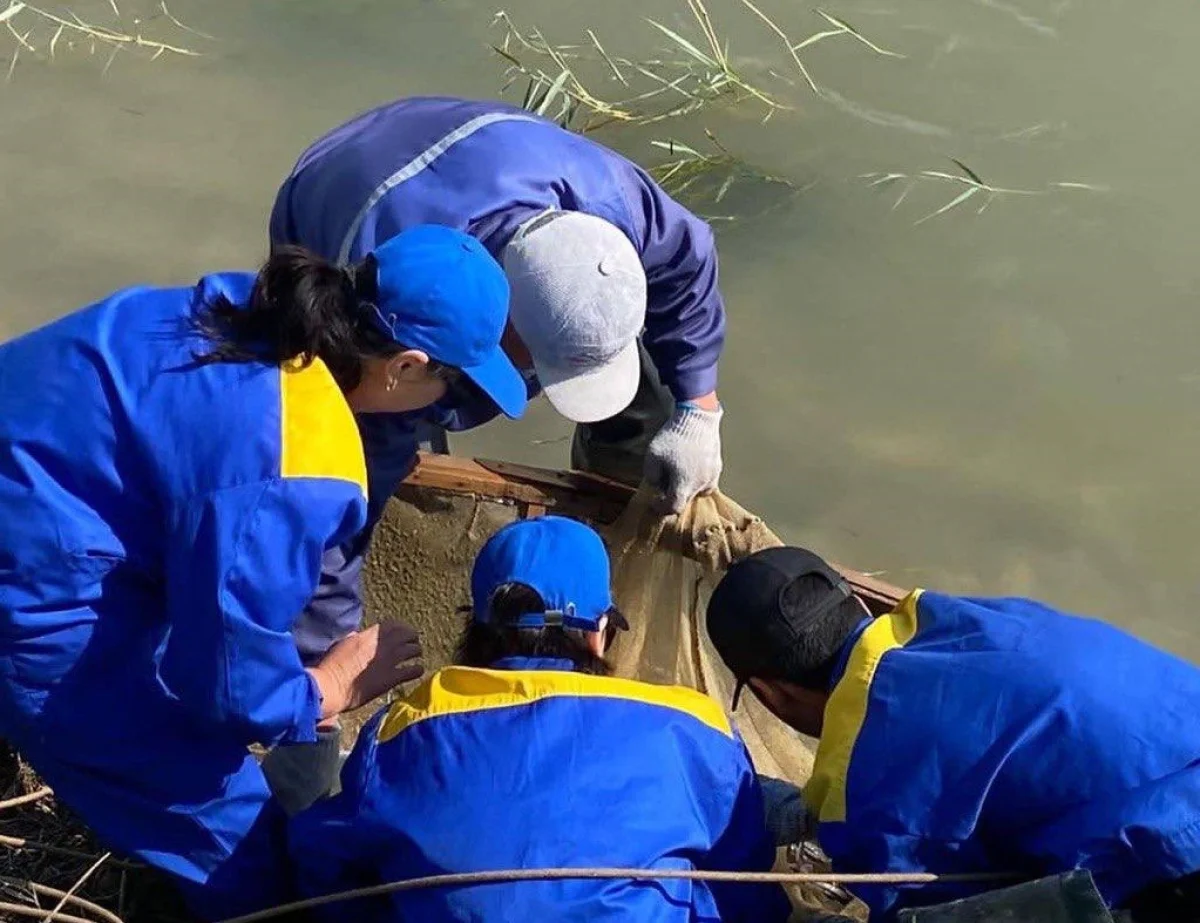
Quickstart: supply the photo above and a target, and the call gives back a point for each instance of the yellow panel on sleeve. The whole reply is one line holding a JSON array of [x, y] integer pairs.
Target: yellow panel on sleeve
[[846, 710], [320, 437], [463, 690]]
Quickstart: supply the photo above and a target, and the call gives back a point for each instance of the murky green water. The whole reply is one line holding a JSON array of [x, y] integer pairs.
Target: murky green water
[[1003, 402]]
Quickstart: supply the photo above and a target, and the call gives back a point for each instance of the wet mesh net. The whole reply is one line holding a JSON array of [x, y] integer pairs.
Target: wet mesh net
[[664, 572]]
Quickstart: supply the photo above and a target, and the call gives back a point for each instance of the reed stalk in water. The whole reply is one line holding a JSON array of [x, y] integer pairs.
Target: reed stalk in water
[[697, 71], [44, 34], [705, 179], [975, 187]]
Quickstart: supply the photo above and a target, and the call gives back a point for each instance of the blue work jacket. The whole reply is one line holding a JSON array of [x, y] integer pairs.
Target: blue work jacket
[[165, 515], [530, 765], [998, 735]]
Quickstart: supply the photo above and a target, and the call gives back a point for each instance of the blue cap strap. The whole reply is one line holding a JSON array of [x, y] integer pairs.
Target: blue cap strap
[[554, 618]]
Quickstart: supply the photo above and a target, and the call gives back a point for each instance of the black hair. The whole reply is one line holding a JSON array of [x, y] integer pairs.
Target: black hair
[[810, 659], [303, 307], [482, 644]]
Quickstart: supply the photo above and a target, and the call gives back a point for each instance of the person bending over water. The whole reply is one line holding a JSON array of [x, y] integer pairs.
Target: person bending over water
[[529, 754], [963, 735], [174, 463]]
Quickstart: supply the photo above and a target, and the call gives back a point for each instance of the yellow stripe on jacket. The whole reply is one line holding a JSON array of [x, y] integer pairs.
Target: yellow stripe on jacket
[[846, 710], [462, 690], [319, 437]]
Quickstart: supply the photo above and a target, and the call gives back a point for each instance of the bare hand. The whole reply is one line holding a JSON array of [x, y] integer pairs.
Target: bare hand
[[365, 665]]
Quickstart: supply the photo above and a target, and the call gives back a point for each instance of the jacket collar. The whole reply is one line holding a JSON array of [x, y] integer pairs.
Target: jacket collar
[[533, 663], [839, 668]]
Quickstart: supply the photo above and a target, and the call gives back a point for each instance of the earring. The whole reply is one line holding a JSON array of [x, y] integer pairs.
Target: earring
[[392, 383]]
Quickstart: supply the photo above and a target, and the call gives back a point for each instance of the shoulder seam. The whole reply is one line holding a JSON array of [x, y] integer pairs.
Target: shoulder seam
[[464, 690]]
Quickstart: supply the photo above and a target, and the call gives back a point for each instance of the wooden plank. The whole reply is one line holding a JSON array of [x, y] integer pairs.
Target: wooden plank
[[880, 597], [570, 493], [466, 476], [592, 484]]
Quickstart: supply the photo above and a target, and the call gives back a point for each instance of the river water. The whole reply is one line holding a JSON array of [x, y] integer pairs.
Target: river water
[[1004, 402]]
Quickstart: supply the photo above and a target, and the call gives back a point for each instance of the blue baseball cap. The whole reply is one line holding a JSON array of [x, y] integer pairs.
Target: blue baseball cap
[[563, 560], [438, 290]]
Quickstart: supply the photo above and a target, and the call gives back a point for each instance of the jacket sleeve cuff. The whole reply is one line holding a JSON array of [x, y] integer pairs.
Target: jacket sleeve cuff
[[686, 386], [304, 729]]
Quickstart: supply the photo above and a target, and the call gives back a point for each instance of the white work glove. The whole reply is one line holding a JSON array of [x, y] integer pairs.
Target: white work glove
[[684, 457]]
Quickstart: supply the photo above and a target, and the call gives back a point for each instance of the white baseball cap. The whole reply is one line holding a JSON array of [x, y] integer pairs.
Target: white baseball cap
[[578, 301]]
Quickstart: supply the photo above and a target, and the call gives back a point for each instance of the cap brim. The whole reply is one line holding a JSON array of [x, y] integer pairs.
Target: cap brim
[[499, 379], [593, 394]]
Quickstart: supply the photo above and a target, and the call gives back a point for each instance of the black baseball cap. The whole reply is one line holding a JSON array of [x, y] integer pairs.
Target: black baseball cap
[[754, 618]]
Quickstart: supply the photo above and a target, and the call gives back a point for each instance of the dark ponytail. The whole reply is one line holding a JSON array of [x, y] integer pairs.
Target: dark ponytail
[[301, 307], [481, 645]]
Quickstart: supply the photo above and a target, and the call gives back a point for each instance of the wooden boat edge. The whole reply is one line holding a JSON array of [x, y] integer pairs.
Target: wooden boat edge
[[536, 491]]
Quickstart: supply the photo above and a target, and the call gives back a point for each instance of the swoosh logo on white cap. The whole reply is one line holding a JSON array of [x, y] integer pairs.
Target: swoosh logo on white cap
[[419, 163]]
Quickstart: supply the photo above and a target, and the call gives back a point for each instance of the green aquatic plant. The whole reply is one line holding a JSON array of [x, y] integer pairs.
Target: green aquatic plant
[[559, 77], [976, 188], [695, 71], [704, 180], [968, 178], [586, 86], [44, 34]]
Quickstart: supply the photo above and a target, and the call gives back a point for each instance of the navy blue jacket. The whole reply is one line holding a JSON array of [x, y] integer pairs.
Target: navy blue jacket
[[485, 168]]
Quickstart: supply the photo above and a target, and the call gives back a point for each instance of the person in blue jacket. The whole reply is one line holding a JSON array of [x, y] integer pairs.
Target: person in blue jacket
[[173, 465], [529, 754], [962, 735], [599, 258]]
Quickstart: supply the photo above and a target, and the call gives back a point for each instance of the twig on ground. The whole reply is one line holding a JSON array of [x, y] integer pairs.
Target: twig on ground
[[26, 799], [21, 910], [46, 891], [16, 842], [78, 884]]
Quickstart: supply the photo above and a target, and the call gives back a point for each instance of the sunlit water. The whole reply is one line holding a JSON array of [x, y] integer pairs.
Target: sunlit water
[[1002, 402]]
